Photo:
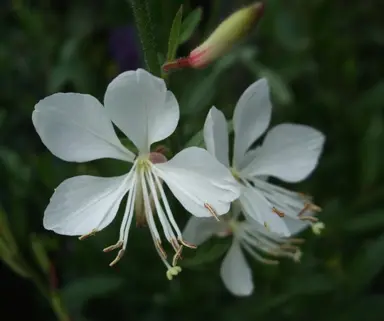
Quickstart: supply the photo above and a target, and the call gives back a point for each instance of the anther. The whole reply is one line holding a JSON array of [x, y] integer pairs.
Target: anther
[[177, 256], [289, 247], [212, 211], [267, 226], [187, 244], [85, 236], [305, 208], [175, 244], [110, 248], [118, 258], [160, 248], [276, 211], [270, 262], [309, 218], [296, 241]]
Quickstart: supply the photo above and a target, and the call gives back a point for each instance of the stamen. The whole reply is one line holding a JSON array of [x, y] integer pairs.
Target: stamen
[[267, 226], [175, 244], [212, 211], [177, 256], [309, 218], [296, 241], [110, 248], [289, 247], [187, 244], [85, 236], [160, 248], [279, 213], [306, 208], [118, 257]]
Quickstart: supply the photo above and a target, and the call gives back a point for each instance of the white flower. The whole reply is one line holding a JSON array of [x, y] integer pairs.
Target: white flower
[[289, 152], [247, 235], [77, 128]]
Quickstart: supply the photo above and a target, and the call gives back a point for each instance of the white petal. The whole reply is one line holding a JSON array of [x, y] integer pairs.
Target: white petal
[[84, 203], [251, 117], [196, 178], [200, 229], [235, 272], [140, 105], [256, 207], [76, 128], [289, 152], [216, 135], [295, 226]]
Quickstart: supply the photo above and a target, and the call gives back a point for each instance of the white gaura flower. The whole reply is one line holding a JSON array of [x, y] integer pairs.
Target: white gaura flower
[[78, 128], [289, 152], [246, 235]]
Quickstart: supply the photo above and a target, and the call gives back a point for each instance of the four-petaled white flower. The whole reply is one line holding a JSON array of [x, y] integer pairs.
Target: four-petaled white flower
[[289, 152], [247, 235], [77, 128]]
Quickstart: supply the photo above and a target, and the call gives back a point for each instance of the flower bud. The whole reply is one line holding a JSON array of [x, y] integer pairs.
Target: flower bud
[[229, 32]]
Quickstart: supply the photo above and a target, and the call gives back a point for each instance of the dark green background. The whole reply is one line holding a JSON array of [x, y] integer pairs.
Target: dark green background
[[325, 63]]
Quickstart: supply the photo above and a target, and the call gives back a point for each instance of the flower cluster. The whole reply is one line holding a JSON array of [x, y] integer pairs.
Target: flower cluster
[[261, 216]]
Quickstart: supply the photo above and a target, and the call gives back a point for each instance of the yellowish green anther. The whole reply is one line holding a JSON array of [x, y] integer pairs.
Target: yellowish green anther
[[318, 227], [173, 271]]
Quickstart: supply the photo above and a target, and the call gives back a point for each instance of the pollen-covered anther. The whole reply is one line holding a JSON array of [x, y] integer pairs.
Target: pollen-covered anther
[[318, 227], [113, 247], [118, 257], [85, 236], [173, 271], [161, 249], [309, 218], [212, 211], [276, 211]]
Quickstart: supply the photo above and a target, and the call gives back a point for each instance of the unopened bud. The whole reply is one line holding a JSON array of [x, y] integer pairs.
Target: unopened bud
[[229, 32]]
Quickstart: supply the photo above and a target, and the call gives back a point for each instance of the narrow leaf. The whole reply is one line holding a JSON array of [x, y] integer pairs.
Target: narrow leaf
[[174, 36], [190, 24]]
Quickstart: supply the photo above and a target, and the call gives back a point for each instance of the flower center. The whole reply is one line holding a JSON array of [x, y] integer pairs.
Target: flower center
[[235, 173], [147, 199]]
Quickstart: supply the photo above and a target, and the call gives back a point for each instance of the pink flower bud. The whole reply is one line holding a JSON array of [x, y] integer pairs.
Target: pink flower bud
[[227, 34]]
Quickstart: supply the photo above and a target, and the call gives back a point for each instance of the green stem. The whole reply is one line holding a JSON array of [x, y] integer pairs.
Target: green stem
[[144, 27], [52, 296]]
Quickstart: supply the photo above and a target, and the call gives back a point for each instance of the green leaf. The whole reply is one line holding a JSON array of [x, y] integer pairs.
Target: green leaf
[[190, 24], [40, 254], [279, 88], [365, 308], [366, 222], [174, 36], [367, 264], [76, 294]]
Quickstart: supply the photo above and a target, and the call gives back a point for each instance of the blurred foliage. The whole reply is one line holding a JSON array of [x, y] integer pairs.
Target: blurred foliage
[[324, 62]]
